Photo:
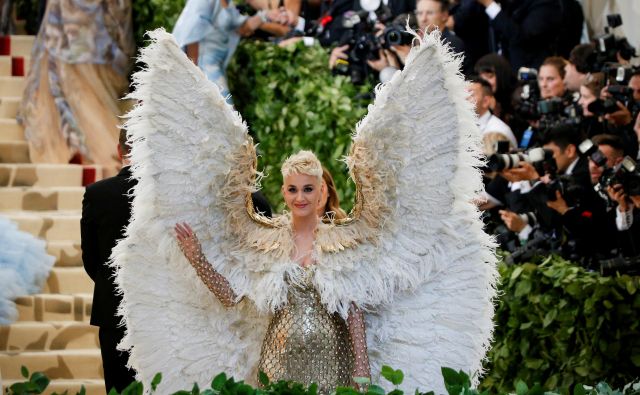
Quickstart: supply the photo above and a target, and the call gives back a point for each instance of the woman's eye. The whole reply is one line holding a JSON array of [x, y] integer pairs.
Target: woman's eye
[[292, 190], [308, 189]]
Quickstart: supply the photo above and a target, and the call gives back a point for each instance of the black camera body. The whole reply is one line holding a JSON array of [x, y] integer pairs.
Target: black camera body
[[626, 173], [395, 35], [608, 46]]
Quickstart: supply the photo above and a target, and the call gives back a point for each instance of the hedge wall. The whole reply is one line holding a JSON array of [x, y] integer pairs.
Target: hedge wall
[[558, 325], [291, 101]]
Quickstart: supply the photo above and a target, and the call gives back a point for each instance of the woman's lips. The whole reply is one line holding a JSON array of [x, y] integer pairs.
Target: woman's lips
[[301, 205]]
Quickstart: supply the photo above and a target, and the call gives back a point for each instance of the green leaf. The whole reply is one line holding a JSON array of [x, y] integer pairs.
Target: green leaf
[[263, 378], [375, 390], [155, 381], [451, 377], [582, 371], [218, 381], [40, 381], [195, 390], [83, 390], [24, 372], [521, 388], [579, 390]]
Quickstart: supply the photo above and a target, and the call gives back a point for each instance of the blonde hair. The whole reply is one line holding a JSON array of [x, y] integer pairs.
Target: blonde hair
[[304, 162]]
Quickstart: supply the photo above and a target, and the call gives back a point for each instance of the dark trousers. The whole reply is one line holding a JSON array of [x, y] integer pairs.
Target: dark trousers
[[114, 362]]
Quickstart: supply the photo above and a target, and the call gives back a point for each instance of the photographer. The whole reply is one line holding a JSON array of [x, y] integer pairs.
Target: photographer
[[433, 14], [483, 98], [551, 78], [578, 68], [627, 220], [561, 198]]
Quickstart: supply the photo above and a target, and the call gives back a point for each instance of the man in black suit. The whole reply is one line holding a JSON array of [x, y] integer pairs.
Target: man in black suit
[[106, 210], [526, 31]]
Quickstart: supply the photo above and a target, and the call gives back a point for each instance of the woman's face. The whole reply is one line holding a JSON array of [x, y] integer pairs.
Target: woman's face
[[491, 78], [550, 82], [302, 193], [586, 97]]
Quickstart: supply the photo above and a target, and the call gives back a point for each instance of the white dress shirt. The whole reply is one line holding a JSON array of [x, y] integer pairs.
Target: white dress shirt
[[490, 123]]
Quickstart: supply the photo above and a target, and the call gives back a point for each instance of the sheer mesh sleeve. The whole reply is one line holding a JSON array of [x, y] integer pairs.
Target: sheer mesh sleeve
[[209, 276], [358, 336]]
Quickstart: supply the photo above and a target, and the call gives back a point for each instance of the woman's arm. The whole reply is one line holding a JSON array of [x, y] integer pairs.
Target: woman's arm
[[215, 281], [358, 335], [193, 52]]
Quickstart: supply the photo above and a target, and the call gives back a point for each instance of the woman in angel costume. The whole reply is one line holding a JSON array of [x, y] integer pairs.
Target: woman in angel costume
[[410, 268]]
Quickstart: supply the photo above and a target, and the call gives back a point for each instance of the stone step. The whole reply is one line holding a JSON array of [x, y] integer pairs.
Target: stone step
[[41, 175], [14, 152], [5, 66], [92, 387], [9, 106], [17, 66], [54, 307], [68, 280], [40, 199], [48, 336], [12, 86], [10, 130], [21, 45], [48, 225], [68, 253], [58, 364]]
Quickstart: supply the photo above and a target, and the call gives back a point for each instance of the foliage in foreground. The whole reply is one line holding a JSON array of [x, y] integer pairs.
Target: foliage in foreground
[[291, 101], [456, 383], [558, 324]]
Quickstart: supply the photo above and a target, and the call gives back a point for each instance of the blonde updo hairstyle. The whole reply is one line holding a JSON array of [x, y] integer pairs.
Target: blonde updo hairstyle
[[303, 162]]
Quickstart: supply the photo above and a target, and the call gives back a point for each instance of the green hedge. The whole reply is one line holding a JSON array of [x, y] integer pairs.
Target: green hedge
[[291, 101], [558, 325]]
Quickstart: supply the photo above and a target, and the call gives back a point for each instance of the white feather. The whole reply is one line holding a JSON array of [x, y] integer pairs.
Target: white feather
[[424, 270]]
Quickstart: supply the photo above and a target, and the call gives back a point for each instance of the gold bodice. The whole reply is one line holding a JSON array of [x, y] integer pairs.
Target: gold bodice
[[306, 344]]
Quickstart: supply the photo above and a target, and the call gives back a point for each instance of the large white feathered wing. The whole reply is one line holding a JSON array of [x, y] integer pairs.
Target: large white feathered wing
[[188, 146], [415, 252]]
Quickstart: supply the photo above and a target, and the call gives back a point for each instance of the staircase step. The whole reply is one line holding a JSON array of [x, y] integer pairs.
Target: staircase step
[[9, 105], [54, 307], [48, 225], [39, 199], [12, 86], [68, 253], [92, 387], [58, 364], [47, 336], [42, 175], [14, 152], [48, 175], [5, 66], [68, 280], [22, 45], [10, 130]]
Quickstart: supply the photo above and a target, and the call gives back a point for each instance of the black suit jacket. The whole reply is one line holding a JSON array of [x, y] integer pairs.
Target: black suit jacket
[[528, 30], [106, 211]]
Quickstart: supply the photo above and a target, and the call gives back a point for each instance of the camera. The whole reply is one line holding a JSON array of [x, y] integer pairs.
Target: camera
[[624, 265], [541, 159], [626, 173], [395, 35], [608, 46]]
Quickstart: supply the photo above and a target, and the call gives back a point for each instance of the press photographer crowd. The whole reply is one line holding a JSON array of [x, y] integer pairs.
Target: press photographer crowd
[[558, 113]]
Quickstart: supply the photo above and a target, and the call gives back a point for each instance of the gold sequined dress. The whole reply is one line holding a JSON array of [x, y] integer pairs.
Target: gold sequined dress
[[306, 344]]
